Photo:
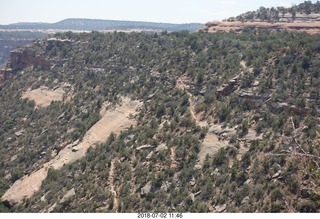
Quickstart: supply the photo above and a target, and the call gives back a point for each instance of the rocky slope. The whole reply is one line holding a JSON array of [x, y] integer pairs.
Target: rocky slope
[[187, 122], [114, 120]]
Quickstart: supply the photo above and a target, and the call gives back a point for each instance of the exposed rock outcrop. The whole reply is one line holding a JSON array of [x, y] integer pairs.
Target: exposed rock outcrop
[[51, 209], [43, 96], [68, 195], [22, 58], [19, 133], [150, 155], [247, 95], [228, 88], [144, 147], [146, 189], [114, 121], [238, 26], [280, 107], [161, 147], [210, 145], [51, 42], [220, 208]]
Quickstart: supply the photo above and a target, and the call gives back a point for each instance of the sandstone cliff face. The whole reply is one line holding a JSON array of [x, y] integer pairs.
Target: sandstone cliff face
[[238, 26], [22, 58], [26, 57]]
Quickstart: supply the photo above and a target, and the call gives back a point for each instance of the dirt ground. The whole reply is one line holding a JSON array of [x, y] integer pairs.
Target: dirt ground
[[43, 96], [112, 189]]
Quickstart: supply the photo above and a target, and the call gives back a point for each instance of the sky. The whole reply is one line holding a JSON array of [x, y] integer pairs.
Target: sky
[[167, 11]]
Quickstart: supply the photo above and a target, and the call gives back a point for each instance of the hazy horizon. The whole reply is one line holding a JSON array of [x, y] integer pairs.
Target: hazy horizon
[[98, 19], [187, 11]]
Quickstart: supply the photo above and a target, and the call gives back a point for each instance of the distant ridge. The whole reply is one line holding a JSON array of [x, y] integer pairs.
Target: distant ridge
[[81, 24]]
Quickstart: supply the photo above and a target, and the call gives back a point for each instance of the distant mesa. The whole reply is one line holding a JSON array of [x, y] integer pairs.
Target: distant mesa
[[81, 24]]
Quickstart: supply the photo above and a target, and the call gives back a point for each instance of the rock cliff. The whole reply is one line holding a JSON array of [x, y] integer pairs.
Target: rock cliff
[[26, 57], [22, 58], [238, 26]]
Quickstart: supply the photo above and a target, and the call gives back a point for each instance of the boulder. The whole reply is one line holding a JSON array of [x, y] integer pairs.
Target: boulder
[[75, 149], [71, 145], [245, 200], [51, 209], [165, 186], [146, 189], [43, 153], [161, 147], [43, 198], [61, 115], [191, 195], [44, 131], [226, 89], [175, 177], [197, 193], [8, 176], [248, 95], [13, 158], [75, 146], [147, 146], [255, 83], [68, 195], [192, 181], [215, 172], [220, 208], [19, 133], [149, 155], [197, 167], [276, 175]]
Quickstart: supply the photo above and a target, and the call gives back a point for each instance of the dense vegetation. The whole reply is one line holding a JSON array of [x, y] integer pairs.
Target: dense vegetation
[[274, 14], [279, 173]]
